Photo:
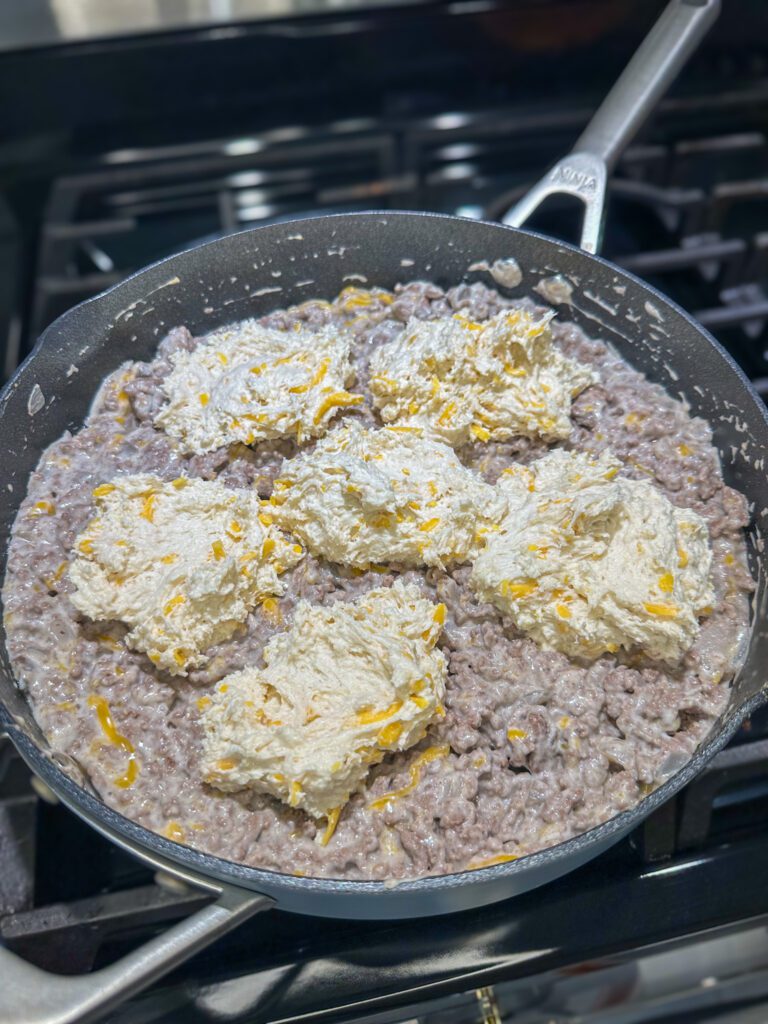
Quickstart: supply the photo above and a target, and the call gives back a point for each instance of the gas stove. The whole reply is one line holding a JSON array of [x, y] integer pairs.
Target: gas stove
[[669, 924]]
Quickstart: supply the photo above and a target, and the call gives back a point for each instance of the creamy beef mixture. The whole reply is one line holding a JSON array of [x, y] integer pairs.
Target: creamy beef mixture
[[516, 743]]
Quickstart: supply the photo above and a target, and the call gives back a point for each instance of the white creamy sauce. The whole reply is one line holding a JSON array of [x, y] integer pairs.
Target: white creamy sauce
[[603, 303], [36, 400], [653, 311], [506, 272]]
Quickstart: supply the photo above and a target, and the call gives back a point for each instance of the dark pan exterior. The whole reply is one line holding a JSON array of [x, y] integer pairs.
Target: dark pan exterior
[[235, 277]]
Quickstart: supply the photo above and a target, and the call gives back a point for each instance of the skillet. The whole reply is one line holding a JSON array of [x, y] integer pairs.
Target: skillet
[[231, 278]]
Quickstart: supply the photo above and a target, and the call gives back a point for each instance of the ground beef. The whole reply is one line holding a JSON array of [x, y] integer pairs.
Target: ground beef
[[588, 740]]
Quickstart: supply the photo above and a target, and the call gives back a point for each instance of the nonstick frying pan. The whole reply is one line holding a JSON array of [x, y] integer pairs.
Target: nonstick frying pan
[[231, 278]]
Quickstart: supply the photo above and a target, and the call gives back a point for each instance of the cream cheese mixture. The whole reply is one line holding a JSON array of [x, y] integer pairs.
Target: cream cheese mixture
[[362, 497], [341, 688], [181, 563], [254, 384], [458, 380], [587, 561]]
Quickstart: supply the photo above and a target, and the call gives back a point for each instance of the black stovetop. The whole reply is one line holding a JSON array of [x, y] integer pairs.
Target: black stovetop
[[102, 194]]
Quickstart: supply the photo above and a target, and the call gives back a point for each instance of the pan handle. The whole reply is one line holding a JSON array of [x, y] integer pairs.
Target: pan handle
[[584, 172], [34, 996]]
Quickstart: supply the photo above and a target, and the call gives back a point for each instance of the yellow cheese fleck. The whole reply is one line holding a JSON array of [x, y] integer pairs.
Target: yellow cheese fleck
[[317, 376], [430, 524], [108, 727], [174, 603], [103, 490], [666, 583], [148, 508], [218, 550], [390, 734], [502, 858], [430, 754], [271, 609], [519, 590], [331, 823], [446, 414], [516, 734], [341, 399], [365, 716], [664, 611]]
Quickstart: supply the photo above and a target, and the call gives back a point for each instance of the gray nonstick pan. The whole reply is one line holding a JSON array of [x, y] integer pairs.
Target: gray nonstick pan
[[229, 279]]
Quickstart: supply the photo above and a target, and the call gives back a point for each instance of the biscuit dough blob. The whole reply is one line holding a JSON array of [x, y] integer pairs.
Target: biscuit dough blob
[[461, 381], [587, 562], [365, 496], [347, 684], [252, 383], [180, 563]]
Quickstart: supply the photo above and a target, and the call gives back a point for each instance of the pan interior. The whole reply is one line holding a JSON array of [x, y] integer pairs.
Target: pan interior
[[254, 272]]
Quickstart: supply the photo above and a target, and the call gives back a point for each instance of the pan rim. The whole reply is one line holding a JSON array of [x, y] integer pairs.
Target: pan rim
[[144, 842]]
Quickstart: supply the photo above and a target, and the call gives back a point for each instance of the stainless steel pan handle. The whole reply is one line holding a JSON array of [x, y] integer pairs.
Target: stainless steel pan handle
[[29, 995], [584, 172]]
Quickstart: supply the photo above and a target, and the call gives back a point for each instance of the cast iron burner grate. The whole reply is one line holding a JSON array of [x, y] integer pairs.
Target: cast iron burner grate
[[684, 213]]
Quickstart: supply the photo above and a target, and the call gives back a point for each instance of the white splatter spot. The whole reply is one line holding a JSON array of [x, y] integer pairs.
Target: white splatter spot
[[652, 310], [556, 290], [36, 400], [507, 272]]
